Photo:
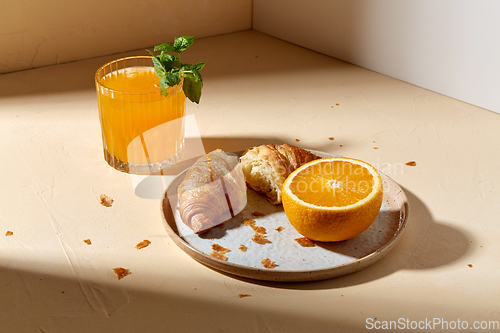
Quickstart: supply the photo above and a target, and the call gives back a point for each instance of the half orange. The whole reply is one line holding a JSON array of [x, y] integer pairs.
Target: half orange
[[332, 199]]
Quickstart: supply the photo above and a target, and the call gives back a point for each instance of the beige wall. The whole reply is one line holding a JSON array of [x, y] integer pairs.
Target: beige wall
[[46, 32], [448, 46]]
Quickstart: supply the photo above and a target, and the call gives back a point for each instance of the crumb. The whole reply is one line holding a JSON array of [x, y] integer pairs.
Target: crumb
[[332, 106], [87, 241], [218, 255], [331, 138], [259, 230], [297, 140], [470, 265], [219, 252], [375, 147], [305, 242], [105, 200], [121, 272], [218, 248], [9, 233], [260, 239], [142, 244], [258, 214], [340, 145], [267, 263], [249, 222], [337, 104], [280, 228], [411, 163], [244, 295], [242, 248]]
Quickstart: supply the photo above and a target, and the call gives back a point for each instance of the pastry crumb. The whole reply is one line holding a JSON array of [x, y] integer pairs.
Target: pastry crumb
[[9, 233], [106, 201], [242, 248], [259, 230], [280, 228], [143, 244], [297, 140], [305, 242], [411, 163], [267, 263], [87, 241], [375, 147], [219, 252], [121, 272], [249, 222], [258, 214], [218, 248], [331, 138], [218, 255], [470, 265], [260, 239], [244, 295]]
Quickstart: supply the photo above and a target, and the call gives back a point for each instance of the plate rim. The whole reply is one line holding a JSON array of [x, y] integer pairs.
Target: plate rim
[[264, 274]]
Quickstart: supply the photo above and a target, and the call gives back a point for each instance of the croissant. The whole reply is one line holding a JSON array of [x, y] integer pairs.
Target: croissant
[[266, 167], [212, 192]]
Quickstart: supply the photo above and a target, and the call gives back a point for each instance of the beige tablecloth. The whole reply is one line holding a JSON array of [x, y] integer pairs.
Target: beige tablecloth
[[257, 90]]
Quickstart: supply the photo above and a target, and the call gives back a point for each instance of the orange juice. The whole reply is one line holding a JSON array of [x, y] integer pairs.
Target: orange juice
[[142, 131]]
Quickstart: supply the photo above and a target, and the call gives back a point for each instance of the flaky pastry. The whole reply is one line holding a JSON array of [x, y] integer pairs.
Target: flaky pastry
[[267, 166], [212, 192]]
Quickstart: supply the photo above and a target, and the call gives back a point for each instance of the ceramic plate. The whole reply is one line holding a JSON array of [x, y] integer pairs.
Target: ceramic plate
[[293, 262]]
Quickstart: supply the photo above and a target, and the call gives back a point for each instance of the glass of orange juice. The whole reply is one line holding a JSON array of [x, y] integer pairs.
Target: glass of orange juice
[[142, 130]]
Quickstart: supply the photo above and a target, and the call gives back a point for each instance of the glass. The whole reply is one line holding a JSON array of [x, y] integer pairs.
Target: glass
[[142, 130]]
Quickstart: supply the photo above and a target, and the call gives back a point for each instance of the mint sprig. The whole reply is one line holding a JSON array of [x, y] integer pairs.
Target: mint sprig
[[171, 70]]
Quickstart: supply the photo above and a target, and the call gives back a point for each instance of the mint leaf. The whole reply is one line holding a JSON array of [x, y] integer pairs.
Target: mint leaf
[[182, 43], [164, 86], [192, 89], [165, 57], [173, 78], [171, 71], [159, 69], [199, 66], [166, 48]]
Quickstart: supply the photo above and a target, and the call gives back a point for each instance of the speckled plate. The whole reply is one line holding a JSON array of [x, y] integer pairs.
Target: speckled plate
[[293, 262]]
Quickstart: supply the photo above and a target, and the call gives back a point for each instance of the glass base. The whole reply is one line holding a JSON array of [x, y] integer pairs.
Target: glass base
[[143, 169]]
